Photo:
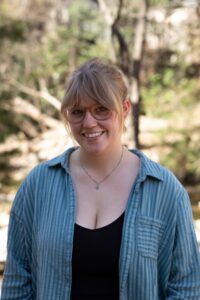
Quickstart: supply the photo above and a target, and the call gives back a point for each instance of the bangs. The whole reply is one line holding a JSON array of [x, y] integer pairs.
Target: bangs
[[90, 87]]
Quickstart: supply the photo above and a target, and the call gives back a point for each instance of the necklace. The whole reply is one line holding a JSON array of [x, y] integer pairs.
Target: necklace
[[98, 183]]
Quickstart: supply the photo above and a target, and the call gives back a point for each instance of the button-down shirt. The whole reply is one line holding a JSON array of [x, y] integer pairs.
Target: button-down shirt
[[159, 256]]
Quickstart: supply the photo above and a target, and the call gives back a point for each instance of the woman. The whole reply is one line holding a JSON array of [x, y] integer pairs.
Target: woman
[[100, 221]]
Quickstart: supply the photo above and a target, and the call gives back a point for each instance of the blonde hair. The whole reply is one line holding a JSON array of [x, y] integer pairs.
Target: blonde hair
[[97, 81]]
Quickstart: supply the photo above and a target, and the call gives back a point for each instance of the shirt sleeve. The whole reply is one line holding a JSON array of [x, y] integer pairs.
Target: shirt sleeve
[[184, 281], [17, 283]]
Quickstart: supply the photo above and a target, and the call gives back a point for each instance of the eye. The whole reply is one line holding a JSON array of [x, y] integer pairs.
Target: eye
[[76, 112], [101, 110]]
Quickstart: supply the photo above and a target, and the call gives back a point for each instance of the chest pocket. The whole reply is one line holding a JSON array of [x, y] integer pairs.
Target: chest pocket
[[149, 236]]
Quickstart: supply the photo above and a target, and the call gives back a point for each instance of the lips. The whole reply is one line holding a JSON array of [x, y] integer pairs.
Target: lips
[[93, 135]]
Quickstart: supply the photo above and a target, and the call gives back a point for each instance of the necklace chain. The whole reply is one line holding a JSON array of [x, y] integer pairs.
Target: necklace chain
[[98, 183]]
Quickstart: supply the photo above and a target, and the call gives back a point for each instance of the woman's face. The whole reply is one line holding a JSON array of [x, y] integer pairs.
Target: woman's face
[[96, 135]]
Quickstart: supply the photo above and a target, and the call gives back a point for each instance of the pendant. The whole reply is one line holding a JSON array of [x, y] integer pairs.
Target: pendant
[[97, 187]]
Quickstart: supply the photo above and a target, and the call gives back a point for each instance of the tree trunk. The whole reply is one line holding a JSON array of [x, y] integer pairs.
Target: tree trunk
[[138, 50]]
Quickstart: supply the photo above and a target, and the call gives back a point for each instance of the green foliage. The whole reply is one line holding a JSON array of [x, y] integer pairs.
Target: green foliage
[[166, 3], [174, 97], [14, 30], [88, 29], [165, 93], [182, 157], [158, 2], [11, 124]]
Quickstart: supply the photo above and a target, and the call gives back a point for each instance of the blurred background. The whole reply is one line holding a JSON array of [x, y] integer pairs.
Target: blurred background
[[155, 43]]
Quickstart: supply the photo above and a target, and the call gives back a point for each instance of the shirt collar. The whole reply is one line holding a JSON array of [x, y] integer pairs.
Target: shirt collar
[[148, 168], [61, 160]]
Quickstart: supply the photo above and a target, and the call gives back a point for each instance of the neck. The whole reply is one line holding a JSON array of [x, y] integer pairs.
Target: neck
[[102, 162]]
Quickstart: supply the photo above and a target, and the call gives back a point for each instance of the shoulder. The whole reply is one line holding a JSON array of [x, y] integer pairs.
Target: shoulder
[[150, 168], [40, 178], [158, 179], [161, 191], [39, 182], [43, 170]]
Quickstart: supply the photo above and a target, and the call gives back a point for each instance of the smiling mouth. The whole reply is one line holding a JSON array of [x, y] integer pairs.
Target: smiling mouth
[[93, 134]]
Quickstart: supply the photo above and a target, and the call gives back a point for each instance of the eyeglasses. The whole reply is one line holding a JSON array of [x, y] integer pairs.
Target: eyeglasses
[[98, 112]]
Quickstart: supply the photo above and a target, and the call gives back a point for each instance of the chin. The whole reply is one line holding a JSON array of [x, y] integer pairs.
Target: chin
[[94, 149]]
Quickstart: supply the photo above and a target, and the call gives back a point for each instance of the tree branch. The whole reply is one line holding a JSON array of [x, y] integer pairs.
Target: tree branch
[[44, 94], [118, 12], [115, 33], [21, 106], [136, 67]]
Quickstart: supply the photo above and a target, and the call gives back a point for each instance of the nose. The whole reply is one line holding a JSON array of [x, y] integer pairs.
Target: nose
[[89, 120]]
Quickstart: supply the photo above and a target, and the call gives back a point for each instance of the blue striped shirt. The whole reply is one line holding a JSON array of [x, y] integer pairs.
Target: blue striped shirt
[[159, 256]]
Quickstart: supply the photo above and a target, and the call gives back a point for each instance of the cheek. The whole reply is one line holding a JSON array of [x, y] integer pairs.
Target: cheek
[[74, 128], [116, 126], [74, 132]]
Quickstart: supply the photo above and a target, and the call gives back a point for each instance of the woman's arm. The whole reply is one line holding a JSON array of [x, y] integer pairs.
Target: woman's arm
[[184, 281], [17, 283]]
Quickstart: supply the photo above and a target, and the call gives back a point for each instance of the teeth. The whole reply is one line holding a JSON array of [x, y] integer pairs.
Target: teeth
[[93, 135]]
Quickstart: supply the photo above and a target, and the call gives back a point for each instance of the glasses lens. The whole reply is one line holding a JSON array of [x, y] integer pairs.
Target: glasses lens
[[75, 115], [101, 113]]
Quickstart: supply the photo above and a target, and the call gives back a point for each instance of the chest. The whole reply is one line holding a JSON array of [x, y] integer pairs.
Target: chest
[[98, 207]]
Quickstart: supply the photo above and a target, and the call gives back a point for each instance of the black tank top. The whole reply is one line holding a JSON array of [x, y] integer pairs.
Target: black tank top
[[95, 260]]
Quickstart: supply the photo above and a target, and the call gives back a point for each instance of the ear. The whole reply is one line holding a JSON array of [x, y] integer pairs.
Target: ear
[[126, 107]]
